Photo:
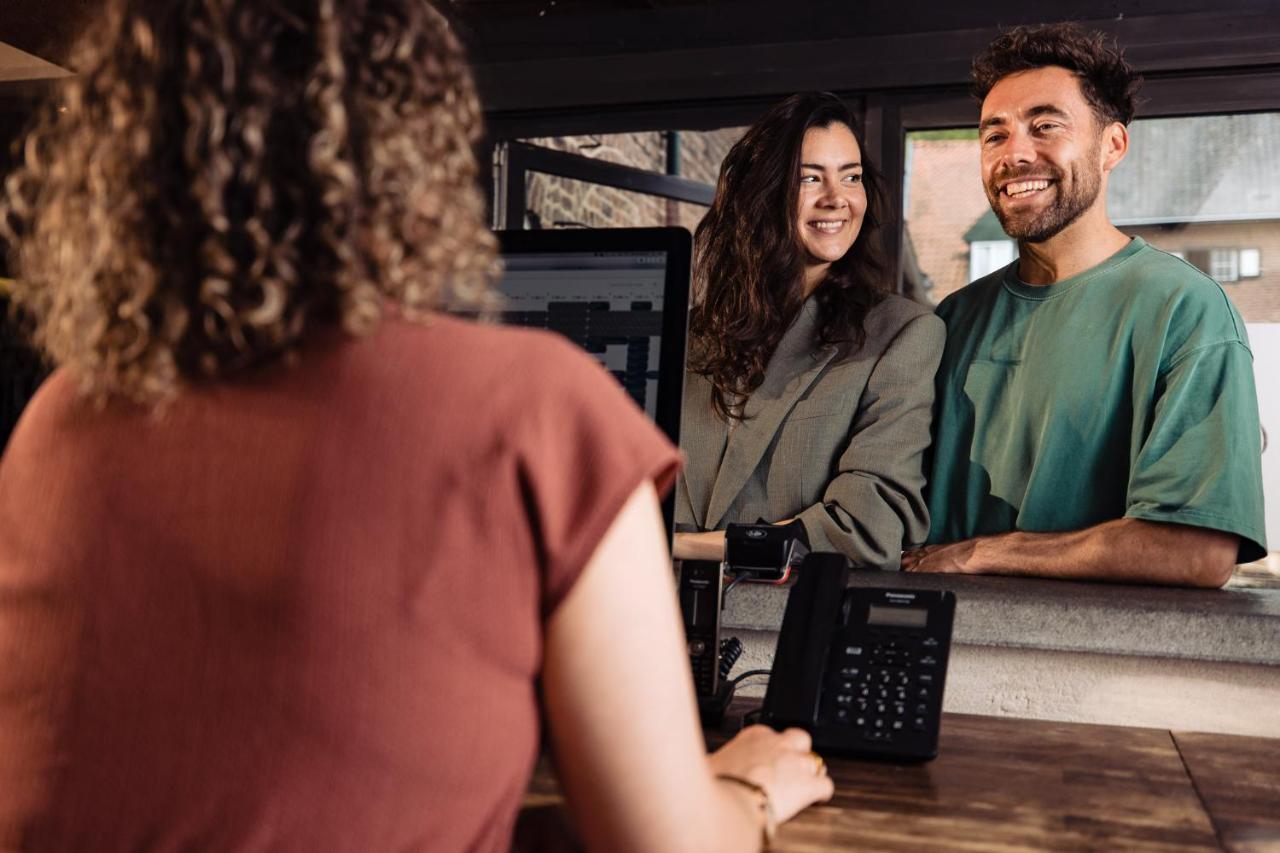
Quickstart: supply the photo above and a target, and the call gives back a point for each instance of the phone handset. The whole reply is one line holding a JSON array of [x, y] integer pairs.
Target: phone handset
[[808, 623]]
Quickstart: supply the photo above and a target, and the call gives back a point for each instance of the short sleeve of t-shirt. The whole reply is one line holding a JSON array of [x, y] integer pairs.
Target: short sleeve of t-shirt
[[1198, 464], [582, 449]]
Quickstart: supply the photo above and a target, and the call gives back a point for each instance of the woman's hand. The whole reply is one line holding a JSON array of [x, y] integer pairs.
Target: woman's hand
[[699, 546], [779, 762]]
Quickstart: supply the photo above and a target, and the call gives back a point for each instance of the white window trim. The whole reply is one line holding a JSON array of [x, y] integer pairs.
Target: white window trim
[[982, 250]]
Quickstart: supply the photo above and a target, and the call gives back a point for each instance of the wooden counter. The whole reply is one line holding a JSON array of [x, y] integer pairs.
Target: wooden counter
[[1002, 783]]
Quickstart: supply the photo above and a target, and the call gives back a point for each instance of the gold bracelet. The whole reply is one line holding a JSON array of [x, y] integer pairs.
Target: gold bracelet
[[770, 828]]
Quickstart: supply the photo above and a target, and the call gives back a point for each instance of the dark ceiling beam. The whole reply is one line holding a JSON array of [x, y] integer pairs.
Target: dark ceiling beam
[[543, 31], [1154, 43]]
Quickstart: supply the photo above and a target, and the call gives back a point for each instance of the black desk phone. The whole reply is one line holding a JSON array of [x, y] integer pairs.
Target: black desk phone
[[861, 668]]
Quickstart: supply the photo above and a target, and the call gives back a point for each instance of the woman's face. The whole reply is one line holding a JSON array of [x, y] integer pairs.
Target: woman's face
[[832, 197]]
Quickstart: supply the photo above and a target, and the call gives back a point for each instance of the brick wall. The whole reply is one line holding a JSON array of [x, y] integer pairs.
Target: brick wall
[[944, 199], [551, 199], [1257, 299]]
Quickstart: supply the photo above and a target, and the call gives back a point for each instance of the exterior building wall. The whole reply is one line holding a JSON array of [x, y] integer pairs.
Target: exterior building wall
[[551, 199], [943, 201], [1257, 299]]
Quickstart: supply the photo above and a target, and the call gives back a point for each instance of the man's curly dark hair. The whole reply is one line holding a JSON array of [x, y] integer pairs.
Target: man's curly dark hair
[[1110, 84]]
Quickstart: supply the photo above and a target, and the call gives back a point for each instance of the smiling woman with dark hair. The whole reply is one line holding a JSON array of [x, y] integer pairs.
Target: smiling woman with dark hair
[[810, 385]]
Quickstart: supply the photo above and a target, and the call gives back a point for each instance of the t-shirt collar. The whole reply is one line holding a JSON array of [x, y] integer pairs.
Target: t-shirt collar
[[1048, 291]]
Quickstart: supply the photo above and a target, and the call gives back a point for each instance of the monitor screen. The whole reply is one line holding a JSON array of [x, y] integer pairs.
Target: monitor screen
[[608, 303], [622, 294]]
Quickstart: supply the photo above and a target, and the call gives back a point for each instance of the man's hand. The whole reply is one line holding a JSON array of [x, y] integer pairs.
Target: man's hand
[[952, 558]]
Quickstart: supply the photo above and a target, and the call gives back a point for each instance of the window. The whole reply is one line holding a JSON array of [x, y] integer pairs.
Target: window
[[987, 256], [617, 180], [950, 230], [640, 150], [1208, 186], [1250, 263], [1230, 265], [1205, 188], [1224, 264], [553, 201]]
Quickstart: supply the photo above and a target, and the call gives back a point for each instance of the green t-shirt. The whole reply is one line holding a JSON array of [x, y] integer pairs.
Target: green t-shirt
[[1125, 391]]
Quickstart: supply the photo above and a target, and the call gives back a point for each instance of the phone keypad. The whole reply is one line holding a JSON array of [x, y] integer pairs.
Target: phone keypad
[[885, 685]]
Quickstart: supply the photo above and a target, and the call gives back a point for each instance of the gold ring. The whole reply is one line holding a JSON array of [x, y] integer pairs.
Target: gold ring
[[818, 764]]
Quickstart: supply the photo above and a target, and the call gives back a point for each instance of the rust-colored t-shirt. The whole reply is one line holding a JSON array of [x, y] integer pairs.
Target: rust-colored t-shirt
[[301, 610]]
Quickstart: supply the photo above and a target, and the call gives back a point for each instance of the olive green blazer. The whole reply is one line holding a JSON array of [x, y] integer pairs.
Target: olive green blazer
[[838, 444]]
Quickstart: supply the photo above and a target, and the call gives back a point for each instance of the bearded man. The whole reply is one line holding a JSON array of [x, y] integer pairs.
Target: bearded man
[[1096, 416]]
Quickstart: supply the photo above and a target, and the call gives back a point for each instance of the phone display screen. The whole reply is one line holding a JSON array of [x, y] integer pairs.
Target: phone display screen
[[898, 617]]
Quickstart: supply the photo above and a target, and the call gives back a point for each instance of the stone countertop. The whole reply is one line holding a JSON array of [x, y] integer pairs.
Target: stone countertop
[[1229, 625]]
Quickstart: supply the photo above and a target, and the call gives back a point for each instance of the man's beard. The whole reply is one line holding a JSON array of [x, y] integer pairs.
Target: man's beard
[[1058, 214]]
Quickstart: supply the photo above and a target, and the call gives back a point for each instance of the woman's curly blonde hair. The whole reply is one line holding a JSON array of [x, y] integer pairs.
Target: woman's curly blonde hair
[[222, 174]]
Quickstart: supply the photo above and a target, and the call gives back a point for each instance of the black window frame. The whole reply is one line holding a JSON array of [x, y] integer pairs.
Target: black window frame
[[513, 161]]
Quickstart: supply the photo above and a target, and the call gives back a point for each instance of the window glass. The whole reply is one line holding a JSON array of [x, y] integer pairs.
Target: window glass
[[1250, 263], [1224, 264], [692, 154], [987, 256], [1209, 187], [946, 211], [1204, 188], [552, 201], [646, 151]]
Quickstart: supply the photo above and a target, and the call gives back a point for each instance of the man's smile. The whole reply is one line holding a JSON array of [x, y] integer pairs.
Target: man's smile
[[1025, 188]]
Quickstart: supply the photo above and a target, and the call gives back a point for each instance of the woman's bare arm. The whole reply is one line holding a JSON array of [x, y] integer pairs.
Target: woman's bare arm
[[623, 718]]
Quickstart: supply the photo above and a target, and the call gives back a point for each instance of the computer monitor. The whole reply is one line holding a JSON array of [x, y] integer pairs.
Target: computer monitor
[[622, 294]]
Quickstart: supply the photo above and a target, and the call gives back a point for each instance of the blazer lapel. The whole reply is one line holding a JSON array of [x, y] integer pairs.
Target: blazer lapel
[[791, 371]]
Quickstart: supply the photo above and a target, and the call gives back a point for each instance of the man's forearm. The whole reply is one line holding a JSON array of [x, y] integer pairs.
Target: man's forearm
[[1125, 550]]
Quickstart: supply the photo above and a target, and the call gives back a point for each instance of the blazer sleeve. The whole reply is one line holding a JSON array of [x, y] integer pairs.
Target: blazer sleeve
[[874, 505]]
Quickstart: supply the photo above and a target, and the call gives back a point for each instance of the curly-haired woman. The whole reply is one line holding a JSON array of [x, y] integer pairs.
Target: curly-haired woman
[[288, 559], [810, 387]]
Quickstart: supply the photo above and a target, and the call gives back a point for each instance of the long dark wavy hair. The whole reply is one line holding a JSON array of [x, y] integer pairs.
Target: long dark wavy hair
[[220, 176], [749, 260]]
